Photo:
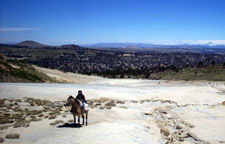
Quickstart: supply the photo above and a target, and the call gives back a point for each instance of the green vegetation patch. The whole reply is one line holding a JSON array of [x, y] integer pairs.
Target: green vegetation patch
[[19, 71], [211, 73]]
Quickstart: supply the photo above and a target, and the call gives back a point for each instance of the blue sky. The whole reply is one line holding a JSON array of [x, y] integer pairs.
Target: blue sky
[[95, 21]]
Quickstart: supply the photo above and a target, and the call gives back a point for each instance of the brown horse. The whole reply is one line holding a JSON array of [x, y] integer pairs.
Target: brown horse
[[76, 109]]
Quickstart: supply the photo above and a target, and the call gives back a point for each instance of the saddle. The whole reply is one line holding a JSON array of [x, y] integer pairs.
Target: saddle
[[81, 108]]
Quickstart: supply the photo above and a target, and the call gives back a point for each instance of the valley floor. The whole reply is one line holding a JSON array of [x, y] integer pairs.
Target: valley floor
[[142, 111]]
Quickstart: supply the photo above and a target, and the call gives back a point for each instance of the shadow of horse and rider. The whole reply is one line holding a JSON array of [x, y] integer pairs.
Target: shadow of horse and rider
[[77, 109]]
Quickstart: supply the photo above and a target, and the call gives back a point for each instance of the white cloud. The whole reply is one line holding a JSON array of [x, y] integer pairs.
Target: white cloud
[[19, 29]]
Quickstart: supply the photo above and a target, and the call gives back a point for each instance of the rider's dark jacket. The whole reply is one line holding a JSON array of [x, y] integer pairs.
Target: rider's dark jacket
[[81, 97]]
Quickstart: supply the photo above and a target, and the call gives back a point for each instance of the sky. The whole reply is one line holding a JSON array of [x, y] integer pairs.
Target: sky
[[58, 22]]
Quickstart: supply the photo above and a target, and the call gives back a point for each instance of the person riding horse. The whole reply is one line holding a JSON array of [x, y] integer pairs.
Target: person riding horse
[[81, 98], [76, 109]]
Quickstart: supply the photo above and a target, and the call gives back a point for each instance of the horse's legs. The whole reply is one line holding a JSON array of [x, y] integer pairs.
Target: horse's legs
[[74, 118], [78, 119], [86, 118], [83, 118]]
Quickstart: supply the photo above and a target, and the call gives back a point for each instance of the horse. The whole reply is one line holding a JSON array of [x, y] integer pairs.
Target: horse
[[76, 109]]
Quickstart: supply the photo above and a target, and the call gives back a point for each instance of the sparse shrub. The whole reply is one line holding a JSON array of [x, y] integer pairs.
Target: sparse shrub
[[9, 107], [2, 102], [1, 139], [40, 115], [4, 127], [12, 136], [111, 103], [34, 112], [31, 104], [5, 121], [11, 104], [22, 123], [6, 115], [17, 116], [200, 64], [56, 111], [108, 107], [52, 117], [120, 102], [18, 100], [213, 63]]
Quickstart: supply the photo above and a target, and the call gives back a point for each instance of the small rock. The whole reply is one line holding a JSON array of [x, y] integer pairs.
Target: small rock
[[164, 131], [183, 135], [181, 139], [162, 111], [148, 114], [178, 127]]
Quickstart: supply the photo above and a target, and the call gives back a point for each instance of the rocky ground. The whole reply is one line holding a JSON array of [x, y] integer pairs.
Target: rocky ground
[[120, 111]]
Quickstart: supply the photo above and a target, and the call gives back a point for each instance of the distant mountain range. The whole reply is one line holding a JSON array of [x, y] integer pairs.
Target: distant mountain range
[[143, 45], [34, 44]]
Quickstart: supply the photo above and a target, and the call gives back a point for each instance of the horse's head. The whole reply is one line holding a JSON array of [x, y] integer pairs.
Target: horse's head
[[70, 100]]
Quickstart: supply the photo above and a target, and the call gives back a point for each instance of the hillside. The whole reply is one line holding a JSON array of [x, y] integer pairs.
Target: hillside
[[31, 44], [181, 65], [19, 71], [72, 58], [67, 77], [211, 73]]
